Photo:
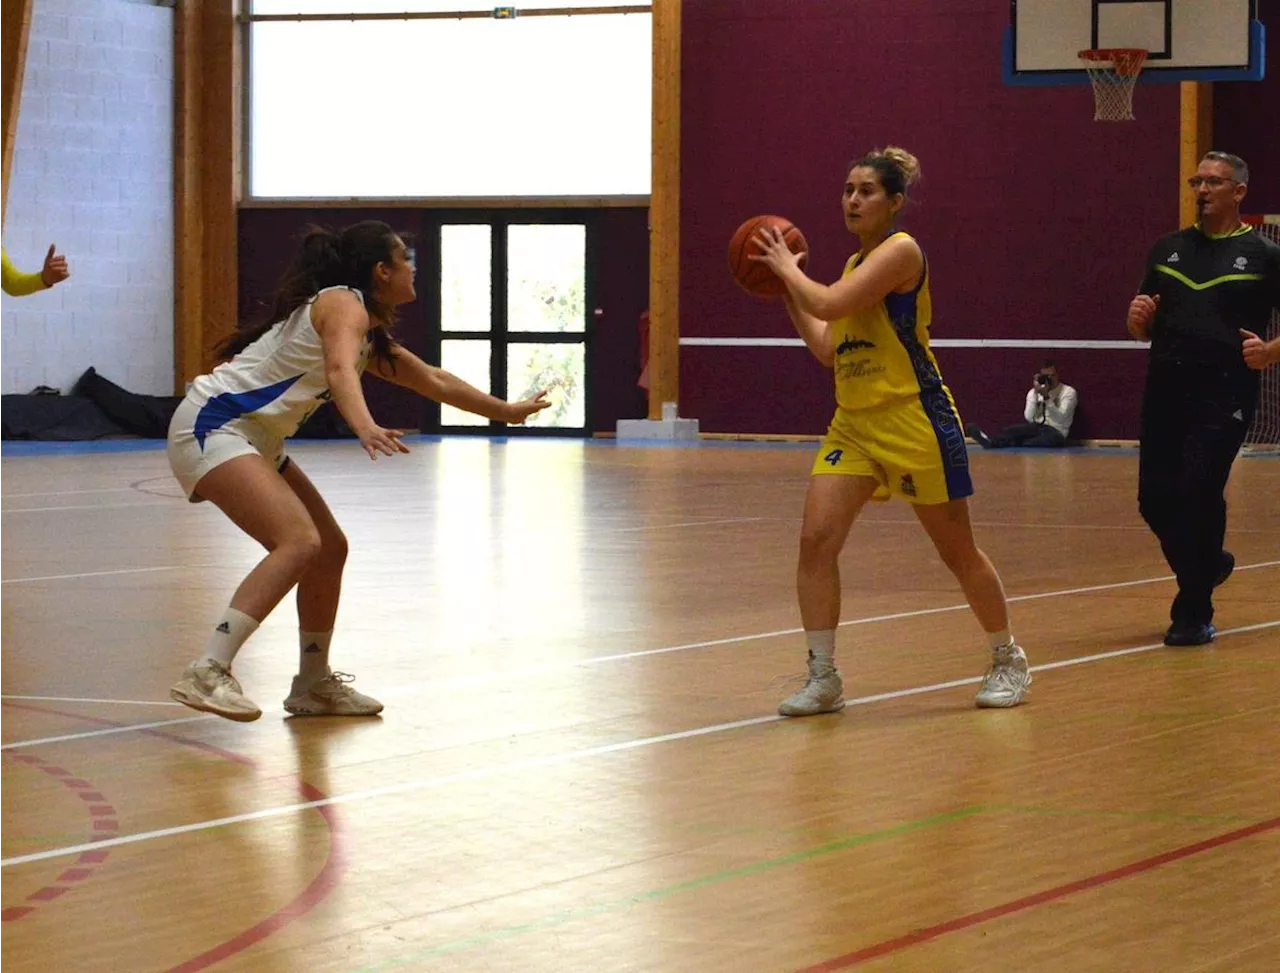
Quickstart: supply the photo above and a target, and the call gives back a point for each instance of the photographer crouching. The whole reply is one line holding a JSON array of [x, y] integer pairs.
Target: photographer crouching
[[1050, 407]]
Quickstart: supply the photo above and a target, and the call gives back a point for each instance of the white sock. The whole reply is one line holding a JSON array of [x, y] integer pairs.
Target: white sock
[[822, 645], [1000, 640], [313, 664], [231, 632]]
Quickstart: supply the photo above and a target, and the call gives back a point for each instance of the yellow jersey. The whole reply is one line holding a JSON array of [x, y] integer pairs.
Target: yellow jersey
[[882, 352]]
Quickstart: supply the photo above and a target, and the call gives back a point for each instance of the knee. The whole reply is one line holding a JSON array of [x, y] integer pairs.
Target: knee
[[333, 549], [819, 543], [302, 545]]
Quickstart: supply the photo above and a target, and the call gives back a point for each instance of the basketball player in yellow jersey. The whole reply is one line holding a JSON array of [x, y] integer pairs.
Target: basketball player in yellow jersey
[[895, 431]]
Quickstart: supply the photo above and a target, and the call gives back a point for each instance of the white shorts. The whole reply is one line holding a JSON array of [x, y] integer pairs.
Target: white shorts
[[190, 459]]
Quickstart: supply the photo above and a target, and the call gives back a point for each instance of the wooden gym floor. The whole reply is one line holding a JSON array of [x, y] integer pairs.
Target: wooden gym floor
[[581, 646]]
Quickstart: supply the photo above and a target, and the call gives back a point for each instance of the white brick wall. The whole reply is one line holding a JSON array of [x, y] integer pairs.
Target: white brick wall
[[93, 173]]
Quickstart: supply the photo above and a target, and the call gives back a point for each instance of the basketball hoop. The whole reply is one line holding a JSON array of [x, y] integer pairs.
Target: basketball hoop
[[1113, 72]]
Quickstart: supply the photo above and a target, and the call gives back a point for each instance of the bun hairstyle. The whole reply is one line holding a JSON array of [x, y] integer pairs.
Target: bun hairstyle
[[897, 168]]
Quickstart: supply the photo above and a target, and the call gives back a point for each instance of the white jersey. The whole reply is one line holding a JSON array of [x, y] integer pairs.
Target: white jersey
[[273, 385]]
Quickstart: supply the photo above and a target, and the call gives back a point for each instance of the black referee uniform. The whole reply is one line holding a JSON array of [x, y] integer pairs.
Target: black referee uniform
[[1199, 400]]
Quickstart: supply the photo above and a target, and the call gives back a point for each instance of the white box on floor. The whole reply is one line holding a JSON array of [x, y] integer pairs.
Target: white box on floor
[[680, 430]]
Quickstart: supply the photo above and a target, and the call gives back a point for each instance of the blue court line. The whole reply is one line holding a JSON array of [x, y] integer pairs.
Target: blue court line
[[30, 447]]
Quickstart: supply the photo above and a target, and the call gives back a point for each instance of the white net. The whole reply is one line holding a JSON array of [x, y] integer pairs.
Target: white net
[[1264, 434], [1113, 74]]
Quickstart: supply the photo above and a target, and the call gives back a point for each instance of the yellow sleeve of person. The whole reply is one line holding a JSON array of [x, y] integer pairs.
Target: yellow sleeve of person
[[18, 284]]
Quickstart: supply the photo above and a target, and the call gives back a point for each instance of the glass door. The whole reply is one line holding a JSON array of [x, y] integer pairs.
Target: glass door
[[513, 321]]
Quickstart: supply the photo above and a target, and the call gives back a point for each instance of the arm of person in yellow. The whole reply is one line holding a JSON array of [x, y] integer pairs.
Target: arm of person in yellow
[[19, 284]]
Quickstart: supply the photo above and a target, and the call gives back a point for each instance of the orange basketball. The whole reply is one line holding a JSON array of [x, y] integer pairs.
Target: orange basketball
[[753, 276]]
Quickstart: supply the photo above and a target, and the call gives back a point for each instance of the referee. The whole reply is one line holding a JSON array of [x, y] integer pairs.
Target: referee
[[1206, 297]]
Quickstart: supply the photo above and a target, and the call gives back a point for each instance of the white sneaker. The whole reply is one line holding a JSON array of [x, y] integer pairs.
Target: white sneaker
[[822, 693], [330, 696], [211, 687], [1006, 682]]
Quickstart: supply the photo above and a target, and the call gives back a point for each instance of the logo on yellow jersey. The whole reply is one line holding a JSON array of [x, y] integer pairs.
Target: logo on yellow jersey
[[851, 344]]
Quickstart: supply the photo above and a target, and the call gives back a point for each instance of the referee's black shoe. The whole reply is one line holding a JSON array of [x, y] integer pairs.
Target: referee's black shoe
[[1185, 635]]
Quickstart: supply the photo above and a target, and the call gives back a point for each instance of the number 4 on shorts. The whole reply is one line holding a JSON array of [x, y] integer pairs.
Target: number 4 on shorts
[[833, 457]]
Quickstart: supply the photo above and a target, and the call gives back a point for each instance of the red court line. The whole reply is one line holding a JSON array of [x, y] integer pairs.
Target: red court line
[[1039, 898], [103, 816], [325, 881]]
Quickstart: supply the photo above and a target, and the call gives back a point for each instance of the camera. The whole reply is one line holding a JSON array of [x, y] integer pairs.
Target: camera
[[1044, 380]]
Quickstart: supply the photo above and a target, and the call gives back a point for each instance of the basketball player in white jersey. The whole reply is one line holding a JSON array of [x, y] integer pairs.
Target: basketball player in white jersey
[[332, 318]]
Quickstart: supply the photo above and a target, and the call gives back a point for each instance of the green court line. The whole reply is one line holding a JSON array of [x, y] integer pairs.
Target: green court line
[[756, 868], [742, 871]]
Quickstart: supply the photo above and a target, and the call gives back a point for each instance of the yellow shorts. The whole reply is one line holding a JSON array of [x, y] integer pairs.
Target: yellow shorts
[[914, 448]]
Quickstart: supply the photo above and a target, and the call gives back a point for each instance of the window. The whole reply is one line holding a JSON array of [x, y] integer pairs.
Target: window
[[535, 106]]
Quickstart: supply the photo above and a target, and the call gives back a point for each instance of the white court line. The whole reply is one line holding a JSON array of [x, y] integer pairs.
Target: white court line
[[689, 523], [90, 699], [103, 574], [551, 760], [88, 506], [91, 574], [685, 647], [102, 733], [63, 493], [893, 616]]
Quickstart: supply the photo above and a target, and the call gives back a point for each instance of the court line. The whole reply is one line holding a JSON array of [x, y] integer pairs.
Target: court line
[[732, 640], [63, 493], [88, 734], [1038, 898], [320, 887], [103, 574], [655, 895], [893, 616], [87, 699], [86, 506], [691, 523], [549, 760]]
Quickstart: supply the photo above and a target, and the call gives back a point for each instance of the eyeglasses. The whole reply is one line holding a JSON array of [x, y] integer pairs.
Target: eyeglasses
[[1209, 182]]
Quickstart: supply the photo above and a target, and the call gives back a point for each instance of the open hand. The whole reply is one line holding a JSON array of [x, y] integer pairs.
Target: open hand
[[55, 269], [774, 252], [522, 410], [377, 440]]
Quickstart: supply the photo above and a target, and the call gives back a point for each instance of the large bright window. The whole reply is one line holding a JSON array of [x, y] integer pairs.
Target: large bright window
[[532, 106]]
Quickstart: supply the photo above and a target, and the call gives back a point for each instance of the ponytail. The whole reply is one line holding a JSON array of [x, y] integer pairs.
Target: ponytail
[[329, 259]]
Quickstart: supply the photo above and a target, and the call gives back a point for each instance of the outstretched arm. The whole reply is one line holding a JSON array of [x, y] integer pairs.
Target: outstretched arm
[[412, 373]]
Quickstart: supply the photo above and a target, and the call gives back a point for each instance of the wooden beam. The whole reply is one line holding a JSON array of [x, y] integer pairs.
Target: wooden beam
[[188, 218], [207, 181], [15, 28], [664, 211], [1195, 139], [222, 89]]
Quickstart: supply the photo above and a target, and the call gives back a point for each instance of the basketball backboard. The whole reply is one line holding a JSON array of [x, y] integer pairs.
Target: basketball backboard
[[1188, 40]]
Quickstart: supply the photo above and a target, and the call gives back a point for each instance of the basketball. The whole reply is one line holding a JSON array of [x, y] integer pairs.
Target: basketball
[[753, 276]]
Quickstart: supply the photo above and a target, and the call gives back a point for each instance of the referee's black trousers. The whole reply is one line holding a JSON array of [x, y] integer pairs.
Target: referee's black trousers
[[1194, 419]]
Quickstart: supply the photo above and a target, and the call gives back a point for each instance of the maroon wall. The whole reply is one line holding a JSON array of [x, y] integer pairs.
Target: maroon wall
[[1035, 218], [1246, 121], [620, 282]]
